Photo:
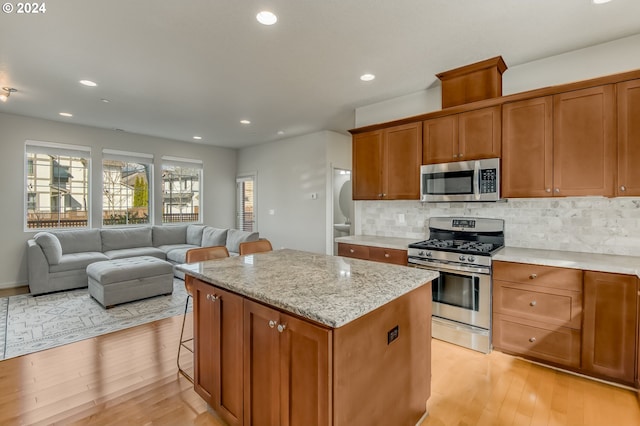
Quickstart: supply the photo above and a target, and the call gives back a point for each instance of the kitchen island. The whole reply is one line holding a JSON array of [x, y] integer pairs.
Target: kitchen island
[[289, 337]]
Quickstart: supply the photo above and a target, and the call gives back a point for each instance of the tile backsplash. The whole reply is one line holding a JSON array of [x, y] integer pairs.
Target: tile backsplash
[[584, 224]]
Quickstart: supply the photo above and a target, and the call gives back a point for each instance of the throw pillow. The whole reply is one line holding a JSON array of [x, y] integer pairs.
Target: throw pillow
[[50, 245], [214, 237]]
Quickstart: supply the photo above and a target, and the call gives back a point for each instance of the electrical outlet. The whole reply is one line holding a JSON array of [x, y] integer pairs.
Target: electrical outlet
[[314, 195]]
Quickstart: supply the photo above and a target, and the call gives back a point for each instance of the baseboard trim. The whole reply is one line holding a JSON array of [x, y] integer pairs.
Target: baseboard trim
[[4, 286]]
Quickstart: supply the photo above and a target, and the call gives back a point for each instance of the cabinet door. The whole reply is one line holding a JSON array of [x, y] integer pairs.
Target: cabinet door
[[628, 138], [440, 140], [480, 134], [304, 373], [218, 350], [204, 318], [261, 365], [584, 142], [402, 157], [609, 329], [367, 165], [527, 148]]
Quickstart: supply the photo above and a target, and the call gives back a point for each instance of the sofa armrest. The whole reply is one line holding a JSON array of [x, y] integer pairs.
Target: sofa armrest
[[37, 268]]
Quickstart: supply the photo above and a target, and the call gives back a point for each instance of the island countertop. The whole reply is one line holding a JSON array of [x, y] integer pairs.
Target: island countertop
[[330, 290]]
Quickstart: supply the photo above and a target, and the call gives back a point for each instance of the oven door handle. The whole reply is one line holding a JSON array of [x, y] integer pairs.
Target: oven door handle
[[445, 267]]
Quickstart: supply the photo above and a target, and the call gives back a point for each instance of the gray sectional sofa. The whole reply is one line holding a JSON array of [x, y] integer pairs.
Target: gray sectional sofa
[[58, 260]]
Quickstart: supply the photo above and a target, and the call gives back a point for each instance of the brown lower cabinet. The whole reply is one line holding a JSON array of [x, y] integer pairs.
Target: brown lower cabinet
[[610, 321], [218, 349], [582, 320], [257, 365]]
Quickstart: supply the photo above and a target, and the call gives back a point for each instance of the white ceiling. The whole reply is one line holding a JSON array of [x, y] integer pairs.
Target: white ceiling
[[176, 69]]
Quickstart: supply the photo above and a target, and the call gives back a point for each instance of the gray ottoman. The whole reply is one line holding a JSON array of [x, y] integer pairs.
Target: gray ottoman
[[124, 280]]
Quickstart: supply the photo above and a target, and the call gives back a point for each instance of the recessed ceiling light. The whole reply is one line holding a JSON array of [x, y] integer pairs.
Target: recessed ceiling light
[[66, 114], [600, 1], [245, 122], [88, 83], [106, 101], [197, 137], [266, 18], [281, 132], [367, 77]]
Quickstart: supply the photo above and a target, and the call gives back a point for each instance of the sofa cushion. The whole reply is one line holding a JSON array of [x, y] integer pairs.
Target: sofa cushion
[[169, 247], [235, 237], [50, 246], [124, 238], [74, 261], [172, 234], [136, 252], [79, 240], [214, 237], [178, 255], [194, 234]]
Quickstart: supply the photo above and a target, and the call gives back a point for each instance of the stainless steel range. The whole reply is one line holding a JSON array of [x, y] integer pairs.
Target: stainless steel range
[[460, 248]]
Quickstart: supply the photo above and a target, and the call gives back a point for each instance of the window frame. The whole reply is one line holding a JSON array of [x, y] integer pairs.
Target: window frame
[[128, 157], [184, 163], [56, 150]]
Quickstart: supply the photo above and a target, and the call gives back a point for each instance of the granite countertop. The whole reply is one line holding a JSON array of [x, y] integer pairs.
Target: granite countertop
[[568, 259], [330, 290], [374, 241]]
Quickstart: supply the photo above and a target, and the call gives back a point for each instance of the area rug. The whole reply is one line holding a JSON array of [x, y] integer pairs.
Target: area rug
[[35, 323]]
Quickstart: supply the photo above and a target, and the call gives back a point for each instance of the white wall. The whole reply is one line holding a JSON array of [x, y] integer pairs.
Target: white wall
[[595, 61], [218, 198], [288, 172]]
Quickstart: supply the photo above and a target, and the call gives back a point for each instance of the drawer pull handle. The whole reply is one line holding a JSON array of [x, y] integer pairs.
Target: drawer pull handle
[[272, 323], [352, 251], [386, 255], [281, 327], [532, 339], [533, 303], [533, 276]]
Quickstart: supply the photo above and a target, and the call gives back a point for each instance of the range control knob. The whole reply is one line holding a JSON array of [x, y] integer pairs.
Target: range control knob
[[471, 259], [462, 258], [428, 254], [421, 253]]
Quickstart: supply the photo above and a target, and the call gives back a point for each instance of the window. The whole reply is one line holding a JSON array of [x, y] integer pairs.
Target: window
[[246, 195], [126, 187], [181, 180], [56, 185]]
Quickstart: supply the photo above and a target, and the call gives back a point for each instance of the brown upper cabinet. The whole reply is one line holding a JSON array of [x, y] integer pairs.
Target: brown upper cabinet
[[470, 135], [386, 163], [560, 145], [628, 138]]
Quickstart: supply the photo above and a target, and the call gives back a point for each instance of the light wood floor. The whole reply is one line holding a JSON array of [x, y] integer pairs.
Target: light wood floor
[[130, 377]]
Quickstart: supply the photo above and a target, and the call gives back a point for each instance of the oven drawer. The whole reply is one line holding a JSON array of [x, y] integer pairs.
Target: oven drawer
[[379, 254], [353, 250], [552, 306], [544, 276], [560, 345]]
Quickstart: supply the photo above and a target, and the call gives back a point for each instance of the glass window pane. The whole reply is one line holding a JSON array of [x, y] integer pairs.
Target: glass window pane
[[125, 192], [180, 194], [57, 191]]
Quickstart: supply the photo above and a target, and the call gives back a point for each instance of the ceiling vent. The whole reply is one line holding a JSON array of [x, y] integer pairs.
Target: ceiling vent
[[471, 83]]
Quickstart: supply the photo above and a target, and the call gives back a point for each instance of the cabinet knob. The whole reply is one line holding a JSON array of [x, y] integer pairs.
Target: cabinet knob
[[455, 155], [623, 188], [557, 190], [212, 297], [281, 327], [384, 195], [532, 339], [460, 155], [387, 255], [547, 190], [533, 303], [533, 276], [352, 251], [380, 195], [272, 323]]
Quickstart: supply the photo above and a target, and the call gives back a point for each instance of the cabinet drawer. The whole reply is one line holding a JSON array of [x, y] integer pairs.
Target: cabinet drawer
[[398, 257], [553, 306], [560, 345], [544, 276], [353, 250]]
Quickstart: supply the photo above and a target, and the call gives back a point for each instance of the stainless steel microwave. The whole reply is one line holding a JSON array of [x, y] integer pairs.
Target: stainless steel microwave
[[475, 180]]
